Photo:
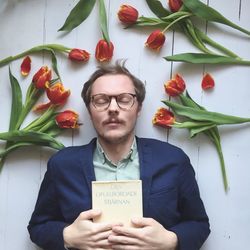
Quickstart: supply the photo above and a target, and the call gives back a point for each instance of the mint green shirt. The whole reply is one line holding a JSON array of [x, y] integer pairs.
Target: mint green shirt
[[126, 169]]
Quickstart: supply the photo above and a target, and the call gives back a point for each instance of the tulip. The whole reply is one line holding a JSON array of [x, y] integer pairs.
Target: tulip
[[42, 77], [67, 119], [175, 86], [163, 118], [207, 82], [104, 51], [57, 94], [79, 55], [155, 40], [175, 5], [127, 14], [26, 66]]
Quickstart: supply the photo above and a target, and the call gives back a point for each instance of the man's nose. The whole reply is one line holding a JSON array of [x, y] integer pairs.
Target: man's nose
[[113, 104]]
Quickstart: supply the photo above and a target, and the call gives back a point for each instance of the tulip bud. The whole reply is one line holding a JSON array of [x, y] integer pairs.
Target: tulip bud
[[175, 5], [155, 40], [175, 86], [127, 14], [104, 51], [67, 119], [207, 82], [79, 55], [163, 118], [26, 66], [57, 94], [41, 78]]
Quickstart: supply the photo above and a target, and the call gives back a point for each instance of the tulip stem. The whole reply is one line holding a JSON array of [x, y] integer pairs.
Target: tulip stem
[[215, 137], [39, 48], [177, 20]]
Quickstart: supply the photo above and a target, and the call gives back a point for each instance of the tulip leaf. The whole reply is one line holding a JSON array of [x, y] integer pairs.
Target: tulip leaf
[[196, 130], [16, 107], [103, 20], [201, 10], [197, 58], [204, 115], [54, 63], [78, 14], [157, 8], [29, 137]]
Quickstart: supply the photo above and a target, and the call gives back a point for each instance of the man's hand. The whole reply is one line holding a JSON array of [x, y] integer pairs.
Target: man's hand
[[148, 234], [84, 234]]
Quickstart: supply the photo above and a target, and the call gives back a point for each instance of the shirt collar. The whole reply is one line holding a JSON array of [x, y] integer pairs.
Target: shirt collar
[[131, 155]]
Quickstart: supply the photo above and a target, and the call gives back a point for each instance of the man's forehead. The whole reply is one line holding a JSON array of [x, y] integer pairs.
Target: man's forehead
[[113, 82]]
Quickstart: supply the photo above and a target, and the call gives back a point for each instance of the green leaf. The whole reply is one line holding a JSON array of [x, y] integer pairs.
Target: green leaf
[[197, 58], [157, 8], [203, 115], [201, 10], [28, 136], [103, 20], [17, 105], [78, 14], [196, 130]]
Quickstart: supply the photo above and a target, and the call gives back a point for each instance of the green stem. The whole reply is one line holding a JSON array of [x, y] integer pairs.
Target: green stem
[[189, 30], [214, 44], [215, 137], [56, 47], [176, 21], [42, 119]]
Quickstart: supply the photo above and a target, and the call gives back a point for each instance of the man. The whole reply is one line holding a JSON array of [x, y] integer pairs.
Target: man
[[173, 213]]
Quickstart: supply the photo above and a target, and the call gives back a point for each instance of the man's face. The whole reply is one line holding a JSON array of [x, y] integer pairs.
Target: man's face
[[114, 125]]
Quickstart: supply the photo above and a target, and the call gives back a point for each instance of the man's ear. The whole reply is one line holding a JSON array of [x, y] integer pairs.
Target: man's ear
[[139, 110]]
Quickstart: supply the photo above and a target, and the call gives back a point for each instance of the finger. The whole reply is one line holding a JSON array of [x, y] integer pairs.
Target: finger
[[124, 240], [128, 231], [142, 222], [90, 214]]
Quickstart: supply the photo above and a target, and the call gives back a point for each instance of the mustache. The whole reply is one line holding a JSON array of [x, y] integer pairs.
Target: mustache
[[113, 120]]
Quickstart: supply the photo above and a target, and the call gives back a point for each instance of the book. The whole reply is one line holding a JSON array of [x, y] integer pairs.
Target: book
[[119, 201]]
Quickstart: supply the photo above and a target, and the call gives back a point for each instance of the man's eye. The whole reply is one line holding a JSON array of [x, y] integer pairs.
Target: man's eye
[[101, 100], [124, 99]]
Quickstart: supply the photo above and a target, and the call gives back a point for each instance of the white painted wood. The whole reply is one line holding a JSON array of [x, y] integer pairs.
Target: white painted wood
[[26, 23]]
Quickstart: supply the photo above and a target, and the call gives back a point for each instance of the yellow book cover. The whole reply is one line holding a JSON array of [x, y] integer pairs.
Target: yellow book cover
[[119, 200]]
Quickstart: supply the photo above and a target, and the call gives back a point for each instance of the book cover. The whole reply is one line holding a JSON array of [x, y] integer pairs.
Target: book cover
[[119, 200]]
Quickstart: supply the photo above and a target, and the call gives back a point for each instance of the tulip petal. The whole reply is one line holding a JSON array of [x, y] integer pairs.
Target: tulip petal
[[26, 66], [207, 82]]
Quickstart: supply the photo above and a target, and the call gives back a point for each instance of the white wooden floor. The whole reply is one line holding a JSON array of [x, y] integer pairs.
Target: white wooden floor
[[26, 23]]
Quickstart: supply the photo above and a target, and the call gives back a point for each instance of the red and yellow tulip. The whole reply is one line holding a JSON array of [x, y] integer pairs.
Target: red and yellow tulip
[[163, 118], [175, 5], [79, 55], [104, 51], [127, 14], [67, 119], [175, 86], [42, 77], [155, 40]]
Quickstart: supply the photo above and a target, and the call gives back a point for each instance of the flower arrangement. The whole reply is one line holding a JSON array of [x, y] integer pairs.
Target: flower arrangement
[[49, 123], [181, 18], [193, 117]]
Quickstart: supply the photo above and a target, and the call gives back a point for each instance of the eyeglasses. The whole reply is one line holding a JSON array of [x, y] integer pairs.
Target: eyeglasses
[[125, 101]]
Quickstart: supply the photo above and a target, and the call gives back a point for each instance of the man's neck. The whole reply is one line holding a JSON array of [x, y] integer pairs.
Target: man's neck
[[116, 151]]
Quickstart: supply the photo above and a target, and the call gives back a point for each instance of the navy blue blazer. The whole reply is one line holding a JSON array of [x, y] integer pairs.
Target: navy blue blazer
[[170, 193]]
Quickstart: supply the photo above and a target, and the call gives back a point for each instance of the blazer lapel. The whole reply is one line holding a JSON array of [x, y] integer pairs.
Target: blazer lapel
[[87, 163], [146, 165]]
